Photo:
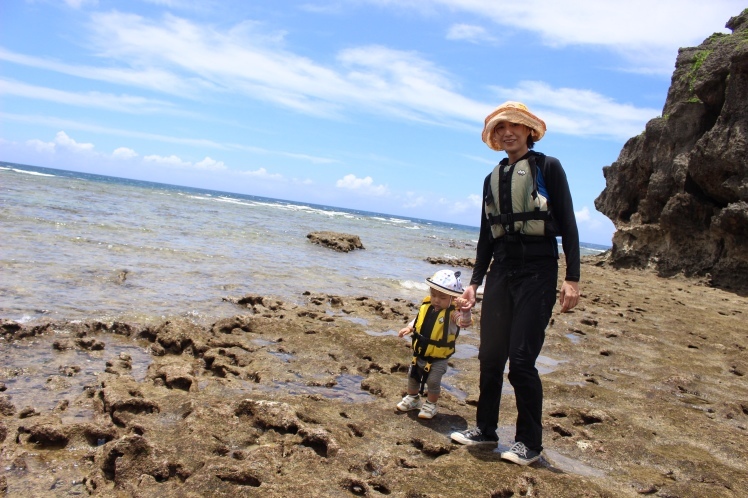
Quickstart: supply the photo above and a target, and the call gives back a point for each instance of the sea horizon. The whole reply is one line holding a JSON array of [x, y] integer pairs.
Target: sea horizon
[[173, 186]]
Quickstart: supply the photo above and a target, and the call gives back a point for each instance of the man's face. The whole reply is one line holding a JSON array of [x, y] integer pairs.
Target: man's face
[[440, 300], [512, 136]]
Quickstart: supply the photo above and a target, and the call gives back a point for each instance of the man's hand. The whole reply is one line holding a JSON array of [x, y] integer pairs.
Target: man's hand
[[467, 300]]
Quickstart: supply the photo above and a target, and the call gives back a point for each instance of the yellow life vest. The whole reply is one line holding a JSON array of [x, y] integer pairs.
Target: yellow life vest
[[437, 342], [513, 204]]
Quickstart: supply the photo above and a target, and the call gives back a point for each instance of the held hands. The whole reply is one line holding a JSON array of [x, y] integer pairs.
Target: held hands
[[568, 297], [467, 300]]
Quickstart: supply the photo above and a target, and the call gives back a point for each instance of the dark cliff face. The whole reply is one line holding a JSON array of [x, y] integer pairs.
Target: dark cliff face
[[678, 193]]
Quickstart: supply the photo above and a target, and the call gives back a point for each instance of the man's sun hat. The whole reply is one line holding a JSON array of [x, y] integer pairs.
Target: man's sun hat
[[514, 112], [446, 281]]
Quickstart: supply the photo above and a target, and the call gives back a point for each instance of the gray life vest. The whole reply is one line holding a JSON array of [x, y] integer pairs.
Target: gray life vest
[[513, 204]]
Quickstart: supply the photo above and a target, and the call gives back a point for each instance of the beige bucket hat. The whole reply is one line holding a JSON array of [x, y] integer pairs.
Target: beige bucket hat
[[514, 112]]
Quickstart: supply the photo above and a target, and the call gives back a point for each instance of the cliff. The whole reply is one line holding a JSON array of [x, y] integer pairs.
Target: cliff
[[678, 193]]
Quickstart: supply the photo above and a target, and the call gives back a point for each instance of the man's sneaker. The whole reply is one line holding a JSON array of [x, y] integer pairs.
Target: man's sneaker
[[520, 454], [473, 436], [428, 410], [409, 403]]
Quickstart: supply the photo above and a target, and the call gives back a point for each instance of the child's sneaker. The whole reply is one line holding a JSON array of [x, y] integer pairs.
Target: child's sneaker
[[473, 436], [409, 403], [428, 410], [520, 454]]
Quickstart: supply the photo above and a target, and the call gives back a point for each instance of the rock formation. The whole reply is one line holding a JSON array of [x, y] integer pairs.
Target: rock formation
[[678, 193], [445, 261], [341, 242]]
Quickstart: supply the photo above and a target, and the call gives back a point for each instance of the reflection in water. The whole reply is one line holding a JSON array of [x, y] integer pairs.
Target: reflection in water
[[546, 365], [347, 388], [358, 320], [284, 357], [465, 351], [381, 334], [446, 386], [573, 338], [263, 342], [554, 460]]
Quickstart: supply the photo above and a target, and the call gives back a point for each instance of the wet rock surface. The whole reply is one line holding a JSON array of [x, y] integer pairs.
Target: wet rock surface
[[341, 242], [645, 395]]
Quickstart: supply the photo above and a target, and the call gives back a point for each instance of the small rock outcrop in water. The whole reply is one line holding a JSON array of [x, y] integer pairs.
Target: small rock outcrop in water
[[341, 242], [678, 193], [465, 262]]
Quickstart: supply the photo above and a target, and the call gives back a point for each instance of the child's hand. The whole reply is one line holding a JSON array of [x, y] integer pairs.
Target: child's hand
[[405, 331], [462, 304]]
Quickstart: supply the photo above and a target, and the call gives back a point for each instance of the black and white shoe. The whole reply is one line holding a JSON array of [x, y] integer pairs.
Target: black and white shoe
[[473, 436], [520, 454]]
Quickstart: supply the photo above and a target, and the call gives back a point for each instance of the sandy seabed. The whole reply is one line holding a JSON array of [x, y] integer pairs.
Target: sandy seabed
[[645, 394]]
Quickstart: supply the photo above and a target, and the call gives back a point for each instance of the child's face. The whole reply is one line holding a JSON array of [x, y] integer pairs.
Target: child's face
[[440, 300]]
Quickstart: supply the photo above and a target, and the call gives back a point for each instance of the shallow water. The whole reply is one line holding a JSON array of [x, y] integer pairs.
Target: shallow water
[[38, 376], [79, 246]]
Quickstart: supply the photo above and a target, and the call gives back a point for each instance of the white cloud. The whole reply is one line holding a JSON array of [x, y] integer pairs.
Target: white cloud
[[119, 103], [178, 57], [579, 112], [124, 153], [413, 200], [41, 146], [174, 161], [262, 173], [470, 33], [210, 164], [591, 220], [364, 185], [152, 78], [62, 139], [77, 4], [171, 161], [583, 214], [78, 125], [177, 4], [471, 204], [647, 34]]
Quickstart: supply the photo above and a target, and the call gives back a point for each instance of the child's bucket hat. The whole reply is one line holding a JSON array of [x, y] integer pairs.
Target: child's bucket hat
[[446, 281]]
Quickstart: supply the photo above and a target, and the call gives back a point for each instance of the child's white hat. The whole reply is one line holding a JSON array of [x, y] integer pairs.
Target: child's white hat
[[446, 281]]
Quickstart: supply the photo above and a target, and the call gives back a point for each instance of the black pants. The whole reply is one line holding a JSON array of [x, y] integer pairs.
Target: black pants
[[517, 305]]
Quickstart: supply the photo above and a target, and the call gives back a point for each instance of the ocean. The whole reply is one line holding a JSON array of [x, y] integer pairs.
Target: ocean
[[78, 246]]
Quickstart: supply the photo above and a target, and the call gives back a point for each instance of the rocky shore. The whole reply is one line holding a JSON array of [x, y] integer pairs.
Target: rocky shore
[[644, 381]]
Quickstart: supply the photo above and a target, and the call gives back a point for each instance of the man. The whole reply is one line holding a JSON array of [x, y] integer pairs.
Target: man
[[527, 204]]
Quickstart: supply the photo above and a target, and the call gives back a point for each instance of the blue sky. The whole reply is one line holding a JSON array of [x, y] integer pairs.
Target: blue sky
[[364, 104]]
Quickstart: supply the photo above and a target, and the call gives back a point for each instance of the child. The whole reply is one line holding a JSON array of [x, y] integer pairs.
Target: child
[[435, 330]]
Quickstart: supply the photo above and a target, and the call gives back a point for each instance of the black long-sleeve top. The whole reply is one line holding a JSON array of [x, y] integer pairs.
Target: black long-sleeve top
[[562, 209]]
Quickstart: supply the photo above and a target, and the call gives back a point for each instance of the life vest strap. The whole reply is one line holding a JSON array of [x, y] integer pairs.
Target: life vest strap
[[421, 375], [510, 218]]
